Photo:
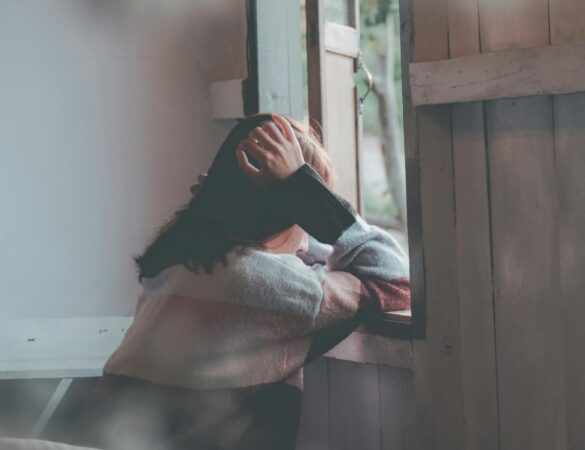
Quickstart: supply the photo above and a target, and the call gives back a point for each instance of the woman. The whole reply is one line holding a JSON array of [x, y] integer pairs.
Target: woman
[[237, 300]]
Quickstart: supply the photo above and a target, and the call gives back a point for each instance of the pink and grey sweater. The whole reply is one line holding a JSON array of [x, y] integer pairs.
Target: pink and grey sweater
[[251, 326]]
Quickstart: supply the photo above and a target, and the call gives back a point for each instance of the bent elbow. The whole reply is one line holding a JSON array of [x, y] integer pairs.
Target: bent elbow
[[388, 295]]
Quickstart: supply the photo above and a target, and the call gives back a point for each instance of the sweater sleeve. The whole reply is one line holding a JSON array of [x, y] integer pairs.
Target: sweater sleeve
[[363, 270], [264, 315], [362, 257]]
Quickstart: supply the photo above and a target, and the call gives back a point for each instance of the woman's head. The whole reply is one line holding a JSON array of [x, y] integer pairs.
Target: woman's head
[[229, 210]]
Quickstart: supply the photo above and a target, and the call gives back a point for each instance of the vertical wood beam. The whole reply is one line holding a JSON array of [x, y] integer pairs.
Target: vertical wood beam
[[431, 208], [566, 25], [316, 58], [278, 51], [473, 236], [529, 328]]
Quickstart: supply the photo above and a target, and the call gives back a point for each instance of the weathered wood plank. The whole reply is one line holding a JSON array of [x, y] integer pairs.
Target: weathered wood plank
[[473, 235], [556, 69], [478, 358], [341, 130], [372, 349], [341, 39], [443, 316], [570, 157], [354, 406], [279, 63], [412, 169], [316, 65], [439, 404], [314, 423], [566, 20], [507, 24], [529, 337], [529, 329], [397, 424]]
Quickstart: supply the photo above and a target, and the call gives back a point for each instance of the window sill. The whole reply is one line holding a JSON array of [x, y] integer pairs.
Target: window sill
[[385, 342]]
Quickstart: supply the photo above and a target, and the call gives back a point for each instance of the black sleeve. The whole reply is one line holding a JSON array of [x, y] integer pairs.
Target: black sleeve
[[307, 201]]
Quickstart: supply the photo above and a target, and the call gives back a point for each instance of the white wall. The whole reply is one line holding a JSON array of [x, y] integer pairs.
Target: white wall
[[104, 125]]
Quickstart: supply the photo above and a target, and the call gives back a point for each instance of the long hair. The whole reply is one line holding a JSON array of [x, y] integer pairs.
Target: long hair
[[229, 210]]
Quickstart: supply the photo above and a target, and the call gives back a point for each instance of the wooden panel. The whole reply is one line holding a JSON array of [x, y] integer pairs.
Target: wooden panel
[[530, 345], [314, 424], [475, 278], [443, 316], [569, 142], [368, 348], [340, 119], [439, 406], [529, 328], [341, 39], [566, 21], [397, 424], [463, 27], [506, 24], [473, 236], [569, 115], [412, 169], [513, 73], [315, 64], [279, 62], [354, 406]]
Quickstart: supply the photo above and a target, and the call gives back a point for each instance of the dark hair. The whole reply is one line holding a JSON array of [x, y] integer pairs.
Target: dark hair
[[229, 209]]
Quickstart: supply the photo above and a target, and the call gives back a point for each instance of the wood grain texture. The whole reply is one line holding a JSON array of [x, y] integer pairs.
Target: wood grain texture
[[523, 72], [315, 64], [368, 348], [314, 424], [529, 336], [340, 131], [412, 169], [570, 142], [439, 403], [507, 24], [478, 358], [443, 315], [341, 39], [354, 406], [529, 327], [473, 246], [279, 62], [396, 409], [566, 20]]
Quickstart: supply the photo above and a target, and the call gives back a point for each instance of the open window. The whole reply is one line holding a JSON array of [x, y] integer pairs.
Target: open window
[[353, 84]]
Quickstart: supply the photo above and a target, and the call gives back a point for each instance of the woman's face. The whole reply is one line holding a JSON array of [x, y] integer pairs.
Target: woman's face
[[292, 240]]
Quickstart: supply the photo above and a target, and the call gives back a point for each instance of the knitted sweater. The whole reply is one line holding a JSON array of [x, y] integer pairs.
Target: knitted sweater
[[258, 320]]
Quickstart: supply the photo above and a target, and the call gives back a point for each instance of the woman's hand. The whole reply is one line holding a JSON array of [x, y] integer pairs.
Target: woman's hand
[[276, 149]]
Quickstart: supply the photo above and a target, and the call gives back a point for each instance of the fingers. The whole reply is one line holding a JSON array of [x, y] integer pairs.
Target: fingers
[[263, 138], [245, 165], [285, 126], [273, 131], [256, 150]]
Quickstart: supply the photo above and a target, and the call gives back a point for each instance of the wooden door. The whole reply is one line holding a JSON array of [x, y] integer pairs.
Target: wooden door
[[495, 120], [332, 60]]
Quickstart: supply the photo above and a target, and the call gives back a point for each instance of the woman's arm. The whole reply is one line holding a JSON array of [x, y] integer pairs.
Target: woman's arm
[[317, 252], [365, 272], [371, 255]]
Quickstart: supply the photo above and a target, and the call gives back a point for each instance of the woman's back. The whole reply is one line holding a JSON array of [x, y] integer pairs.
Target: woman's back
[[213, 359]]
